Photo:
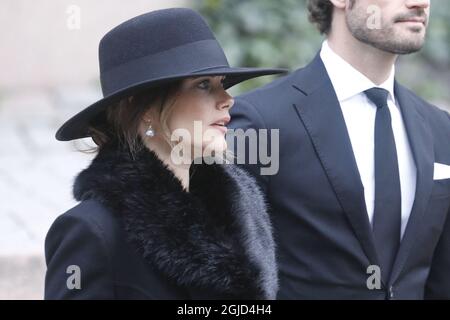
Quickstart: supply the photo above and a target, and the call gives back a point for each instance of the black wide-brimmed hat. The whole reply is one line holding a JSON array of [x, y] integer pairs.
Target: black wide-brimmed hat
[[153, 49]]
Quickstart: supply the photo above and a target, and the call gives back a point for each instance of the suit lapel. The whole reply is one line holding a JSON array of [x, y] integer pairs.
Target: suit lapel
[[421, 142], [321, 115]]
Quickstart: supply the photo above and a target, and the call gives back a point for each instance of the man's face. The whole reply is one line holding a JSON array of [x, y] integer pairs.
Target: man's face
[[394, 26]]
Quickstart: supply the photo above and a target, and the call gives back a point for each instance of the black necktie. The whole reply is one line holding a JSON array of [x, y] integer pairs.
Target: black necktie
[[387, 212]]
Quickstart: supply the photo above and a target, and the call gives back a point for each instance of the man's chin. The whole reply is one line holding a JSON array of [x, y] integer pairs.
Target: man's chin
[[410, 31], [402, 42], [403, 49], [409, 45]]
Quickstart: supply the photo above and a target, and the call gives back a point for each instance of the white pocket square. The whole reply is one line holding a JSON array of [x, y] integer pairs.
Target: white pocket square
[[441, 171]]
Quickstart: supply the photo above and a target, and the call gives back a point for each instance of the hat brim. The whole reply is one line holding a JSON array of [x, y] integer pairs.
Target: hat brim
[[77, 126]]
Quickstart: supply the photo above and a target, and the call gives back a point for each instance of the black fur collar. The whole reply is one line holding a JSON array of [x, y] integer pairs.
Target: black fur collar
[[216, 238]]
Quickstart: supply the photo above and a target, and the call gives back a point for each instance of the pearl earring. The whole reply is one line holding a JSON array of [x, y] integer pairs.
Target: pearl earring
[[150, 131]]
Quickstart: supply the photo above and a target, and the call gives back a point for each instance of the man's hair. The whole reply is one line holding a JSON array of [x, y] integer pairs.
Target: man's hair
[[321, 13]]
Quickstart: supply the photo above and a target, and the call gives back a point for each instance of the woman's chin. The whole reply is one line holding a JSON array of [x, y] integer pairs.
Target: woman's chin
[[217, 147]]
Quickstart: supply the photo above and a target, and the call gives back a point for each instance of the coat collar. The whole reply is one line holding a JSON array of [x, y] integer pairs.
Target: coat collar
[[347, 81], [216, 238]]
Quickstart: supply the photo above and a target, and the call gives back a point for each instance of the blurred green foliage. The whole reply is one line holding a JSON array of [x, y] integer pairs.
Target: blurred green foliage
[[277, 33]]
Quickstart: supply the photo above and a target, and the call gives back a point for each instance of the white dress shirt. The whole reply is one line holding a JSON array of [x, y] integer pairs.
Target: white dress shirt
[[359, 115]]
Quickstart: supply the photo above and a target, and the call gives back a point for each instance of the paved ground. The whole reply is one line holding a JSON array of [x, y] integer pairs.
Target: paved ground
[[21, 277], [36, 176]]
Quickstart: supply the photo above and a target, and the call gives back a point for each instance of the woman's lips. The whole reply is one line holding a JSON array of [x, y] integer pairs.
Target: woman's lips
[[221, 124], [221, 128]]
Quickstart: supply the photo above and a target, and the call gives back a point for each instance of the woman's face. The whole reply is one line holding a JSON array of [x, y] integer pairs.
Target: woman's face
[[198, 116]]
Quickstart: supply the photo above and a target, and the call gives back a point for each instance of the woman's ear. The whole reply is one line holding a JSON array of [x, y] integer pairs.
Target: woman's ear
[[150, 115], [147, 119]]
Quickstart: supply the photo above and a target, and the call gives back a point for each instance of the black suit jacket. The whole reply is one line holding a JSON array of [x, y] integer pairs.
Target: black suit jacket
[[323, 233]]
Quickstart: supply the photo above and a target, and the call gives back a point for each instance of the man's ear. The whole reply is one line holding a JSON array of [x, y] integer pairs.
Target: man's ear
[[340, 4]]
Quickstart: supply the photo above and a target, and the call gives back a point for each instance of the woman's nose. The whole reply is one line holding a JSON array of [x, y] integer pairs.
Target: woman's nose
[[225, 101]]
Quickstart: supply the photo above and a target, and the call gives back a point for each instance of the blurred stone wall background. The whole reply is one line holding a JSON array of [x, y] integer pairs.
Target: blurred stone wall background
[[49, 71]]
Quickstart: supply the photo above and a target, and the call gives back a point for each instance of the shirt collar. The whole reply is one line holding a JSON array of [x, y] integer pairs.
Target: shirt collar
[[346, 80]]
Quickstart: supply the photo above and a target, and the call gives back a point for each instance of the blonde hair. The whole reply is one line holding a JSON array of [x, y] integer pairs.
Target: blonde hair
[[120, 122]]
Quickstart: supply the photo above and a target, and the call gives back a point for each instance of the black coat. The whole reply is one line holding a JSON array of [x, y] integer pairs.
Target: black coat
[[136, 234]]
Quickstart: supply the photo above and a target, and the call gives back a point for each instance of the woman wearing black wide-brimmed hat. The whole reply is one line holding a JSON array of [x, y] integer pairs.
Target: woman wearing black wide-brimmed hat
[[147, 225]]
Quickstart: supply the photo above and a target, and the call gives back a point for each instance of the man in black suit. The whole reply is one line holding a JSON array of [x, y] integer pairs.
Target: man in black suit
[[361, 200]]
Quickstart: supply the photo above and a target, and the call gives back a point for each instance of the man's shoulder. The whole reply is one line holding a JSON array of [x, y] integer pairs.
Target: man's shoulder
[[268, 91], [284, 91], [281, 89]]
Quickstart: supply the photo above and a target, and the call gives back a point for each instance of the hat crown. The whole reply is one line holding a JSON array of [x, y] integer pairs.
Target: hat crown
[[151, 33], [154, 49]]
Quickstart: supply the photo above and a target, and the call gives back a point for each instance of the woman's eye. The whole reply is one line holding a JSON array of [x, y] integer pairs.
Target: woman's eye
[[205, 85]]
